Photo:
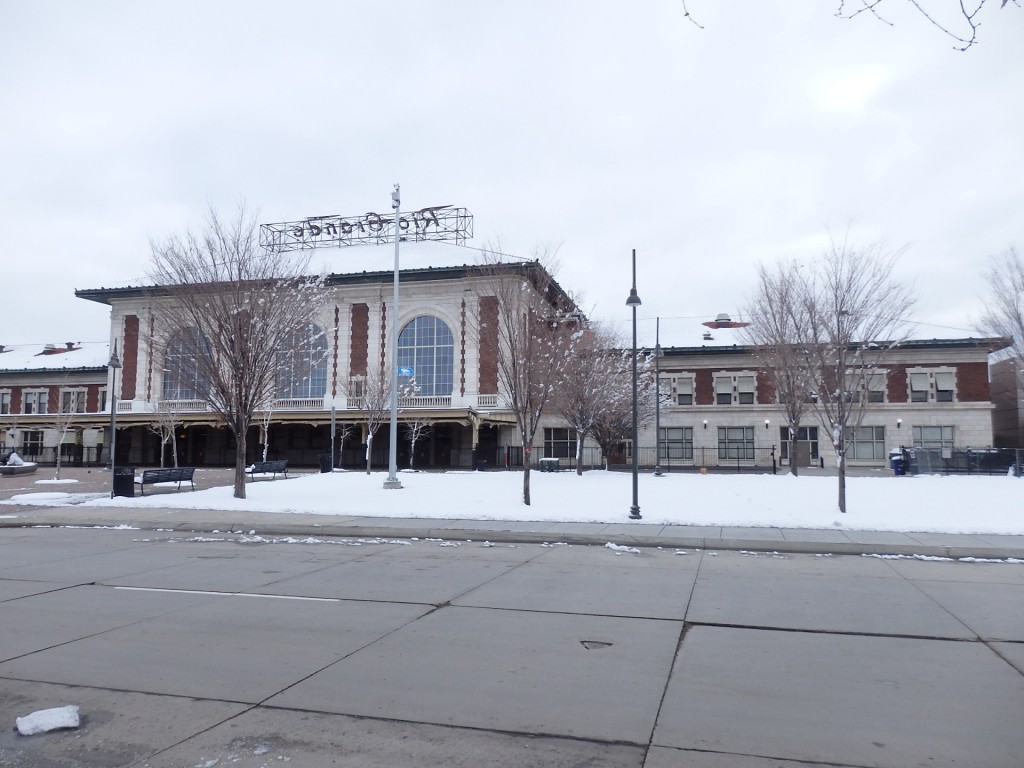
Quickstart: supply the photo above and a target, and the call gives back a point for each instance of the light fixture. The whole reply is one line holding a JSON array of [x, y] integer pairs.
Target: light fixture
[[766, 423], [705, 423], [899, 423]]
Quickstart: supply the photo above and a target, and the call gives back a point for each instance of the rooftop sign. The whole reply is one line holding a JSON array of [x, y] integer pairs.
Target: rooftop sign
[[440, 222]]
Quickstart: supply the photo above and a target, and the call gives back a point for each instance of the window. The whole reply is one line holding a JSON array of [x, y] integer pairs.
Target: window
[[356, 387], [745, 389], [182, 379], [675, 443], [933, 438], [874, 385], [744, 385], [944, 386], [5, 402], [808, 435], [682, 388], [72, 401], [919, 387], [302, 364], [941, 382], [735, 442], [865, 443], [559, 443], [35, 401], [427, 346], [32, 442], [723, 390], [103, 399]]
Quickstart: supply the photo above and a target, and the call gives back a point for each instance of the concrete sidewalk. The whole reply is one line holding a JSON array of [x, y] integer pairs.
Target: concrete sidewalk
[[835, 541]]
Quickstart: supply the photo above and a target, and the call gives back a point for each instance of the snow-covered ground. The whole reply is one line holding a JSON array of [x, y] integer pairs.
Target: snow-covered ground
[[884, 503]]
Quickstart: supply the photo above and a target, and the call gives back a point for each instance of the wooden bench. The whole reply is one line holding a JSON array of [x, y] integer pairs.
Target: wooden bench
[[171, 475], [269, 468]]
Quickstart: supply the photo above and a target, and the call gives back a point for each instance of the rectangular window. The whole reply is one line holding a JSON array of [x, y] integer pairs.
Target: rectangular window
[[875, 384], [103, 400], [933, 438], [745, 388], [684, 391], [735, 443], [919, 387], [5, 402], [31, 442], [675, 444], [944, 387], [72, 401], [865, 443], [559, 443], [723, 390], [36, 401]]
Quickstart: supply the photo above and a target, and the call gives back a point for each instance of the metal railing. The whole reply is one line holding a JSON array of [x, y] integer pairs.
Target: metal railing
[[966, 461]]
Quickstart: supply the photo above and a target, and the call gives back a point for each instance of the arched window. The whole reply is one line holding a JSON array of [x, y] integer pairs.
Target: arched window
[[302, 364], [183, 379], [427, 346]]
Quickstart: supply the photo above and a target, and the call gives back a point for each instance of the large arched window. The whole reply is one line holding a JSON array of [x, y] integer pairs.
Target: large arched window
[[302, 364], [183, 377], [427, 346]]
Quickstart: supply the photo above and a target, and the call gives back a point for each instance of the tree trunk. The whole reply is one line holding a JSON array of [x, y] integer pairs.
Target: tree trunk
[[579, 454], [842, 482], [369, 445], [240, 461], [174, 448], [794, 463], [526, 482]]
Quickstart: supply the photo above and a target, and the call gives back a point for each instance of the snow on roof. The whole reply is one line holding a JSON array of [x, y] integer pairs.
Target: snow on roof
[[71, 355]]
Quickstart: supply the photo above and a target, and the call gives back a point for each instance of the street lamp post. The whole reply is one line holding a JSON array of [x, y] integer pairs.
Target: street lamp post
[[634, 301], [657, 397], [113, 364], [393, 481]]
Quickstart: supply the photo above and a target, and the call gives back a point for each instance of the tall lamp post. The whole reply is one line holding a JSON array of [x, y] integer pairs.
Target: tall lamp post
[[113, 364], [657, 397], [393, 481], [634, 301]]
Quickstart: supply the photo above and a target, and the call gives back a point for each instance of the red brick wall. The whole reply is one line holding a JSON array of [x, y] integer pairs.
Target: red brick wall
[[972, 383], [488, 372], [130, 357], [704, 388], [896, 384], [360, 329], [765, 388]]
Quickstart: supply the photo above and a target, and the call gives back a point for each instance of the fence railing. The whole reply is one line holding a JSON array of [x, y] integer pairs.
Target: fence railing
[[695, 460], [966, 461]]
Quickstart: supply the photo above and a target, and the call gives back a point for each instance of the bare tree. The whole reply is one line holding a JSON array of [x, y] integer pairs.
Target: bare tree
[[230, 305], [164, 425], [855, 313], [373, 393], [69, 403], [1004, 314], [958, 19], [415, 430], [536, 326], [614, 422], [778, 324], [586, 391]]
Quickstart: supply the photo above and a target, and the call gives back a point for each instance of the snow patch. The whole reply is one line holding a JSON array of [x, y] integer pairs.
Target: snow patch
[[46, 720]]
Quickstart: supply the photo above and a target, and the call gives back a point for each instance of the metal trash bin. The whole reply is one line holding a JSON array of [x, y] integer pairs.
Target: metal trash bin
[[326, 465], [123, 482], [899, 467]]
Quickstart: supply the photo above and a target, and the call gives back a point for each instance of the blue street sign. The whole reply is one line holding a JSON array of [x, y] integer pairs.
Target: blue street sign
[[405, 372]]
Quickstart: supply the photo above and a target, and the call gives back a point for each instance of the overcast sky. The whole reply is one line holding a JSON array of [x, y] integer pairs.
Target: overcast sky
[[590, 126]]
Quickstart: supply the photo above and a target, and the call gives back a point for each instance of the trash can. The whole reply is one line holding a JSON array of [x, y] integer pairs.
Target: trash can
[[899, 467], [325, 462], [124, 482], [481, 465]]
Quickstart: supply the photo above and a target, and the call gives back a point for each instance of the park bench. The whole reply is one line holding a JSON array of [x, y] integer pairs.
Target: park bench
[[269, 468], [171, 475]]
